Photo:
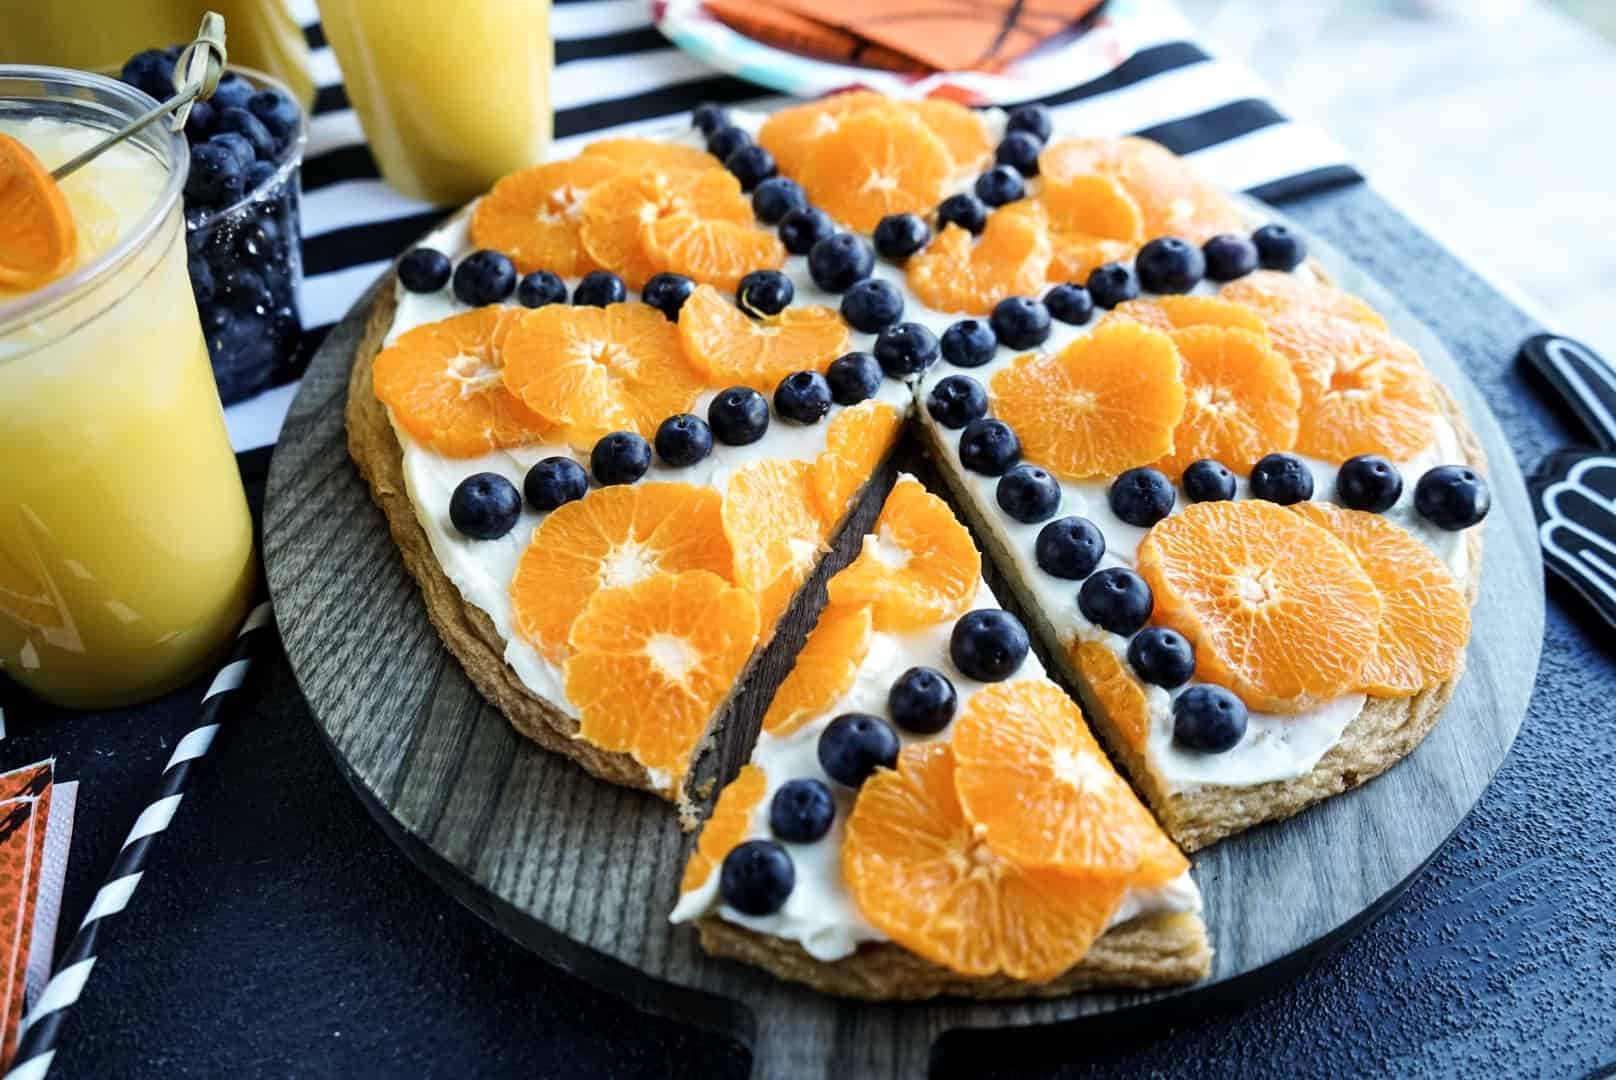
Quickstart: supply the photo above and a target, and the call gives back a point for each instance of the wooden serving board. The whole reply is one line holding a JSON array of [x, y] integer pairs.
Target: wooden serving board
[[585, 874]]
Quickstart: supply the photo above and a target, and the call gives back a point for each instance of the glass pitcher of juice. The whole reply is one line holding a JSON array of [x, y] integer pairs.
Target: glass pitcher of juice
[[100, 34], [126, 558], [450, 99]]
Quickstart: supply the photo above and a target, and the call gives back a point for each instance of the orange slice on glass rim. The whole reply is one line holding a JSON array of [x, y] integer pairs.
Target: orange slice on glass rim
[[37, 236]]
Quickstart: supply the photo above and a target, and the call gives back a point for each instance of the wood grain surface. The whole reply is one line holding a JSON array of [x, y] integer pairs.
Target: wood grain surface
[[585, 873]]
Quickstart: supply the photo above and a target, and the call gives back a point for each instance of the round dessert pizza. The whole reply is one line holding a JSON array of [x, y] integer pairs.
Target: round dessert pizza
[[616, 412]]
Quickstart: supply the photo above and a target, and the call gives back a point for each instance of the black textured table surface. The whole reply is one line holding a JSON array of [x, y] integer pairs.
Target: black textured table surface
[[278, 931]]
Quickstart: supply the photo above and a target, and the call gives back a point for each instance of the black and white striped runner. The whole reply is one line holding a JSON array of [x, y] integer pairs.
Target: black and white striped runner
[[42, 1026], [615, 71]]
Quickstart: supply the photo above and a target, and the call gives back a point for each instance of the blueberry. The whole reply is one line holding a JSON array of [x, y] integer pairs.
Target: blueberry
[[801, 229], [619, 458], [837, 261], [969, 343], [249, 127], [802, 811], [988, 645], [905, 349], [485, 506], [553, 482], [233, 92], [751, 165], [1069, 547], [599, 288], [1111, 284], [738, 416], [259, 173], [1162, 657], [898, 236], [244, 288], [1208, 481], [1281, 478], [757, 877], [237, 144], [966, 211], [1169, 265], [872, 305], [1020, 322], [203, 286], [999, 185], [668, 293], [1020, 150], [724, 141], [1035, 119], [1368, 482], [151, 72], [217, 176], [1070, 303], [708, 117], [255, 241], [199, 124], [424, 270], [922, 701], [1028, 494], [540, 288], [776, 197], [484, 277], [764, 292], [989, 447], [1452, 497], [803, 396], [1116, 599], [1278, 248], [1229, 256], [853, 377], [854, 745], [279, 114], [683, 440], [1209, 719], [956, 401], [1141, 496]]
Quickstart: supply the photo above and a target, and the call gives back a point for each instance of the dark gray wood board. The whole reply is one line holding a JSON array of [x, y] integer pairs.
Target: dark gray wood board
[[584, 873]]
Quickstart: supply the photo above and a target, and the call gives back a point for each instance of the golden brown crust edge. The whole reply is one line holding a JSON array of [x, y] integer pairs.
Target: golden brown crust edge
[[1148, 952]]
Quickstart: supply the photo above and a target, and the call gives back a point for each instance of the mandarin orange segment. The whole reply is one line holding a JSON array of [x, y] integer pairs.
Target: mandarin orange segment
[[823, 671], [790, 134], [534, 215], [650, 155], [715, 252], [652, 662], [731, 820], [876, 163], [918, 568], [618, 213], [444, 383], [613, 537], [1092, 221], [856, 442], [1240, 400], [38, 239], [1182, 312], [1107, 402], [1115, 689], [1363, 390], [917, 871], [963, 131], [728, 347], [775, 531], [597, 370], [1278, 609], [1424, 619], [1173, 198], [1274, 293], [1042, 793], [960, 273]]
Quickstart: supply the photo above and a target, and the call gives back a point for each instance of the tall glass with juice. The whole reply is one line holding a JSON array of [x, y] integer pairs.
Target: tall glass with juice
[[125, 542], [452, 98], [99, 34]]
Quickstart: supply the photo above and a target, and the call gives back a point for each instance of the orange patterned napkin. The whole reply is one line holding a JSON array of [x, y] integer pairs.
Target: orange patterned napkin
[[20, 820], [799, 34]]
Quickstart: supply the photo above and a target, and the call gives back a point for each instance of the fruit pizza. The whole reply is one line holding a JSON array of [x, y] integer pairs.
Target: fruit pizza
[[617, 410]]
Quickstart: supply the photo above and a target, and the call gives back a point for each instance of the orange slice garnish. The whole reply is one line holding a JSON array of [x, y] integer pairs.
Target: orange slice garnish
[[728, 347], [823, 671], [918, 568], [38, 239]]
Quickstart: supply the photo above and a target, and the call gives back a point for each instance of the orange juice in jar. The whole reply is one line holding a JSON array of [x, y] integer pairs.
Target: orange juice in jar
[[126, 557], [451, 98]]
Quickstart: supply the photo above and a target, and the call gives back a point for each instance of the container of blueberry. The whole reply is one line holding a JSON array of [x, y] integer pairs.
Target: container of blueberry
[[241, 219]]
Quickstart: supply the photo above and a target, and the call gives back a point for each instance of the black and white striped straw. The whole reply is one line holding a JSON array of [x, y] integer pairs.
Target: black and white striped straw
[[42, 1026]]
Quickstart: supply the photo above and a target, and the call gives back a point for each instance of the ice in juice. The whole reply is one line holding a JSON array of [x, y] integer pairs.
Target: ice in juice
[[451, 98], [125, 541]]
